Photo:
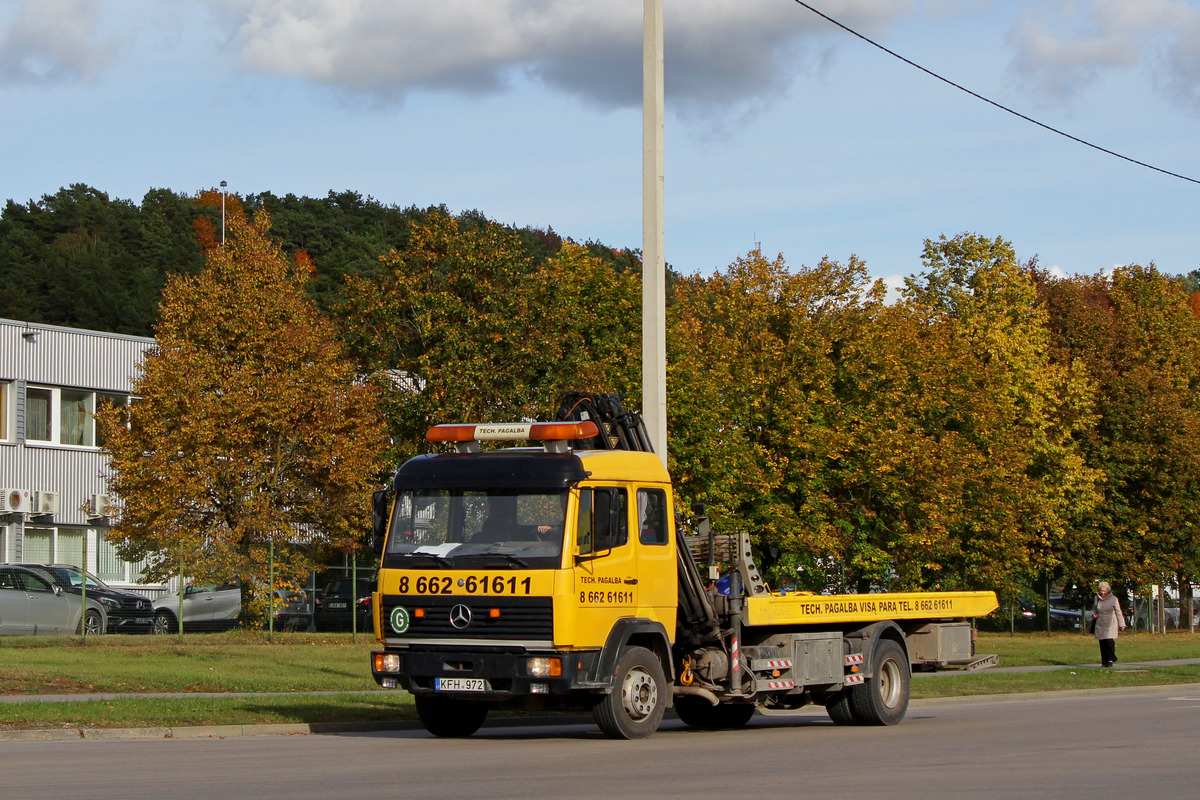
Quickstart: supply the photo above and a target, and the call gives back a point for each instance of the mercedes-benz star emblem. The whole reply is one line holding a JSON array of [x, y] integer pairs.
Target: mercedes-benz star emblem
[[460, 616]]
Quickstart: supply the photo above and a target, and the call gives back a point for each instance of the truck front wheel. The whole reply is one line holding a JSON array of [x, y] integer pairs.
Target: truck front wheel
[[448, 717], [883, 698], [696, 712], [635, 707]]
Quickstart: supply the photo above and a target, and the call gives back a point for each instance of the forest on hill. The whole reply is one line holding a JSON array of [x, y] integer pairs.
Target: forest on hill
[[81, 259]]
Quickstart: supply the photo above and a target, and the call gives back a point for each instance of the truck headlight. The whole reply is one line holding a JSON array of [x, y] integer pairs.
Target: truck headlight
[[544, 667], [387, 662]]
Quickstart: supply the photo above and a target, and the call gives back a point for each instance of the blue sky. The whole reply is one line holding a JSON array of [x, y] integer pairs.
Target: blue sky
[[781, 129]]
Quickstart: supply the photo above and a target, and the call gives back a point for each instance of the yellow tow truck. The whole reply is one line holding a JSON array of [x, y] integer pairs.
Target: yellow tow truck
[[559, 576]]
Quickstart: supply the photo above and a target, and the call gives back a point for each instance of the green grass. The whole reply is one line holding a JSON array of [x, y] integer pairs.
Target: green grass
[[1034, 649], [244, 661], [238, 661]]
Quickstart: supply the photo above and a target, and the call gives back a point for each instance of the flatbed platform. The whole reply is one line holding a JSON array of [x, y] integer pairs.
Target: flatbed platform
[[821, 609]]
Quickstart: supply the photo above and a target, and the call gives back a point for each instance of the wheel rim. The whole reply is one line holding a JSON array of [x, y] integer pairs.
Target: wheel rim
[[162, 625], [890, 682], [91, 625], [639, 694]]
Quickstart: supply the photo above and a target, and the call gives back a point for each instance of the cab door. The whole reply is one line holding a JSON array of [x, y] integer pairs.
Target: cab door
[[606, 568]]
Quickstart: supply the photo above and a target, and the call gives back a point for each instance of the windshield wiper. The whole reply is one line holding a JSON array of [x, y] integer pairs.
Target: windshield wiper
[[509, 557], [441, 560]]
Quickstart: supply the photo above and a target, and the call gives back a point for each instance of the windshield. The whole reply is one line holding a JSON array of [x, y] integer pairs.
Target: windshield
[[464, 529], [70, 576]]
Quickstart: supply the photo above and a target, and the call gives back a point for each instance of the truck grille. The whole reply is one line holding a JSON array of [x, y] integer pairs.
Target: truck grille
[[520, 618]]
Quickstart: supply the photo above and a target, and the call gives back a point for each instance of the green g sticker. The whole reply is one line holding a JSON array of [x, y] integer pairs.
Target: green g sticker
[[400, 619]]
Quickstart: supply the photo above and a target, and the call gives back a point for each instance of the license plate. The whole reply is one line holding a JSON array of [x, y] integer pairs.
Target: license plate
[[143, 621], [460, 684], [337, 605]]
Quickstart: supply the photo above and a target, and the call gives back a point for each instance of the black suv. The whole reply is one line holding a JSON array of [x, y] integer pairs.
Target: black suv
[[127, 612]]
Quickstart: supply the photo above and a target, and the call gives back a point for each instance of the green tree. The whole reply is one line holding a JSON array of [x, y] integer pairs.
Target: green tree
[[250, 432], [464, 325], [1139, 342], [1008, 416]]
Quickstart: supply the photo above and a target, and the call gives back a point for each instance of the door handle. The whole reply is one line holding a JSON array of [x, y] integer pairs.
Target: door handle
[[631, 581]]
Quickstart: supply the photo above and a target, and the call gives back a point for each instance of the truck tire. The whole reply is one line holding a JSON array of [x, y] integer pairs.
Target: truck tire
[[634, 709], [841, 708], [448, 717], [883, 698], [696, 712]]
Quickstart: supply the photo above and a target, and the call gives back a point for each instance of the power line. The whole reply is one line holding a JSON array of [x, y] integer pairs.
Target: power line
[[932, 74]]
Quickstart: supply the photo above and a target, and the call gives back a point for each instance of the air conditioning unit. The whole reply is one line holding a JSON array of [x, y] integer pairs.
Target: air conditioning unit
[[15, 501], [98, 506], [45, 503]]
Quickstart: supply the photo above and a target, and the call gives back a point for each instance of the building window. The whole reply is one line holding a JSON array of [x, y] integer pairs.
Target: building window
[[65, 416], [38, 546], [75, 417], [39, 416], [5, 410], [109, 566]]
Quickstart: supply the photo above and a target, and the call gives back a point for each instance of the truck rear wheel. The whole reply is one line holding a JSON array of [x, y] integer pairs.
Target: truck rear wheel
[[696, 712], [883, 698], [634, 709], [448, 717], [841, 708]]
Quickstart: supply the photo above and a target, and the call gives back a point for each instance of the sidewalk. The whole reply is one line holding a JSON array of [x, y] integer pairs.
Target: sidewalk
[[1120, 665]]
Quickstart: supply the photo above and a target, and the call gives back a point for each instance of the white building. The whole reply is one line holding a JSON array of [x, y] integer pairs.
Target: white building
[[52, 486]]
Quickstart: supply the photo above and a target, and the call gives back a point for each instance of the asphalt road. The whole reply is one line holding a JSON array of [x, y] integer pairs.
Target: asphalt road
[[1140, 743]]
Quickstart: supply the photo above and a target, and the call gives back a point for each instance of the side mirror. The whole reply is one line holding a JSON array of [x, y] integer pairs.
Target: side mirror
[[379, 520], [58, 590]]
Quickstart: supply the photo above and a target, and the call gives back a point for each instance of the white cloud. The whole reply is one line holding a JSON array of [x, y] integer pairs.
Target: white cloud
[[1061, 54], [50, 41], [718, 53]]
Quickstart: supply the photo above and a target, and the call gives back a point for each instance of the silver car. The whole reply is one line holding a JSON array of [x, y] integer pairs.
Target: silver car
[[207, 608], [31, 604], [216, 608]]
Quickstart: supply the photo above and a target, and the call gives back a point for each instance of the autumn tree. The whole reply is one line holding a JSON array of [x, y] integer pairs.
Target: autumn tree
[[1008, 416], [462, 324], [924, 444], [250, 431], [752, 383], [1135, 335]]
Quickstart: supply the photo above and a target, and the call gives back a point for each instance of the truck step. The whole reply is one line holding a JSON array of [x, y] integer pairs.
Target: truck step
[[974, 663]]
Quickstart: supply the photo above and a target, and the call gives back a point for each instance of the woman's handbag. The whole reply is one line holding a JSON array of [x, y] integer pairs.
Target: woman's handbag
[[1091, 625]]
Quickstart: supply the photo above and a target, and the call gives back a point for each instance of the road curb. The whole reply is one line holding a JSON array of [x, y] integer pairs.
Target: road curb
[[205, 731]]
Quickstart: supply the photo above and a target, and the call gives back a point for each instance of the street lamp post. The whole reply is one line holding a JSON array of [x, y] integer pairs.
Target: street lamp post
[[654, 294], [223, 185]]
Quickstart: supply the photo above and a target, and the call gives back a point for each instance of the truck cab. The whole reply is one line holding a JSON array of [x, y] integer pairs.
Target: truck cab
[[505, 575]]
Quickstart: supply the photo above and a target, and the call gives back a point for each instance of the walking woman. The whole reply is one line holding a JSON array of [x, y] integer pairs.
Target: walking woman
[[1108, 619]]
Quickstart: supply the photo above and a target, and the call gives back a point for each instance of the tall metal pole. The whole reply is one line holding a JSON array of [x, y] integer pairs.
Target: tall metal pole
[[654, 293]]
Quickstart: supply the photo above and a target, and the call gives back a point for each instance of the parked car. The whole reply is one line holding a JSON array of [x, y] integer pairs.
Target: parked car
[[219, 607], [32, 604], [1063, 616], [128, 612], [332, 608]]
